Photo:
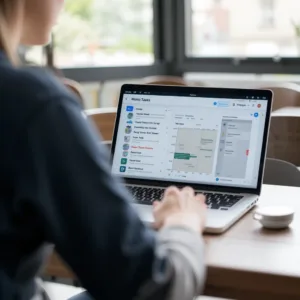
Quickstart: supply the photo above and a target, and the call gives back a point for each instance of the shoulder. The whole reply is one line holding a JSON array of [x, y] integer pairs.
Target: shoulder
[[32, 86], [26, 93], [40, 81]]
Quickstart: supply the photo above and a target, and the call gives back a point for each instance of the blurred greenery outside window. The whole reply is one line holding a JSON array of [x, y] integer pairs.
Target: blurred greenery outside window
[[104, 33], [93, 33]]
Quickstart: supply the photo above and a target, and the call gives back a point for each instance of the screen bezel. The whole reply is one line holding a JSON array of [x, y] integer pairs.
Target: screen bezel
[[207, 92]]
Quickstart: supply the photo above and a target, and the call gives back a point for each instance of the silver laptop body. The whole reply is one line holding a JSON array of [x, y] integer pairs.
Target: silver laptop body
[[211, 139]]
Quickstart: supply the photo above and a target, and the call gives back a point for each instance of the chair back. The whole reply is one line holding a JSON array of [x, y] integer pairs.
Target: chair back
[[57, 268], [104, 119], [284, 139], [75, 88], [164, 80], [279, 172], [285, 94], [161, 80]]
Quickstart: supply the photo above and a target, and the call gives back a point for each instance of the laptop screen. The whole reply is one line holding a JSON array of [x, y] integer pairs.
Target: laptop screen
[[190, 139]]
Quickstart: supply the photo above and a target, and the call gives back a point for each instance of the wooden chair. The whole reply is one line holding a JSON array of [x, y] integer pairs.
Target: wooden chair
[[104, 119], [158, 80], [284, 139], [75, 88], [164, 80], [285, 94], [57, 268]]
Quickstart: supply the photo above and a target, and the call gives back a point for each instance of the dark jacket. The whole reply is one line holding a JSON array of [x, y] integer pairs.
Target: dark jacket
[[56, 187]]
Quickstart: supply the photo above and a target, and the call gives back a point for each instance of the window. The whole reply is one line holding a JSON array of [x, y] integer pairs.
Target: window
[[241, 29], [94, 33], [267, 14]]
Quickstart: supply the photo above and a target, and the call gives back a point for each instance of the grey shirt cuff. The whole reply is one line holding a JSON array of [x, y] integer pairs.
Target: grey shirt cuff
[[178, 270]]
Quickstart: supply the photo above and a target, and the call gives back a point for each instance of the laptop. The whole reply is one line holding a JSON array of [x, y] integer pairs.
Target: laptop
[[212, 139]]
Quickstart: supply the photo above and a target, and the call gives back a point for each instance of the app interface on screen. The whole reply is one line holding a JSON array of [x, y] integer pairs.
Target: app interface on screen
[[197, 140]]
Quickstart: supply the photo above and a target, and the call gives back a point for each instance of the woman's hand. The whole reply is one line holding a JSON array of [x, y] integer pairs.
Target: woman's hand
[[180, 208]]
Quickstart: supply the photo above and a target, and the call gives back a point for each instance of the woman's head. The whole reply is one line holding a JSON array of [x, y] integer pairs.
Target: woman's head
[[27, 22]]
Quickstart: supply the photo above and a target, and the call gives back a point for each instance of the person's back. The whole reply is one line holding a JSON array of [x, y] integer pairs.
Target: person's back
[[24, 95], [21, 251], [34, 178], [56, 188]]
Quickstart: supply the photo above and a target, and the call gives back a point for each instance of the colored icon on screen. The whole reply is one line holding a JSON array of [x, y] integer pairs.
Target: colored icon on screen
[[215, 103], [256, 115], [122, 169], [217, 179], [129, 108], [128, 129], [125, 153], [124, 161], [126, 147], [130, 116]]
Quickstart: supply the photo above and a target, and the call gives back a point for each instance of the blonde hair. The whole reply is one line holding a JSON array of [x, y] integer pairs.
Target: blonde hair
[[10, 18]]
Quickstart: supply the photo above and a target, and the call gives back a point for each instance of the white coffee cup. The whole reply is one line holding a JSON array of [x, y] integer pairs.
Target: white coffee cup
[[274, 217]]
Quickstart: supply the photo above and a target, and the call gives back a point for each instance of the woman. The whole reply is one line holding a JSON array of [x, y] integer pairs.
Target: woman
[[56, 187]]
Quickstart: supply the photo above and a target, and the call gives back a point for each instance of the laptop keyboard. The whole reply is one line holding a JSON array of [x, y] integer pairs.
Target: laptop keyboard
[[145, 195]]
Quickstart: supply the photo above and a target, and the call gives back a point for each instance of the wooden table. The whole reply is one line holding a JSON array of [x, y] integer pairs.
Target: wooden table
[[249, 262]]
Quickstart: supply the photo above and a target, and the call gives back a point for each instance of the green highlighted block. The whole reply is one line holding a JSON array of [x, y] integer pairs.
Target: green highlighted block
[[124, 161], [185, 156]]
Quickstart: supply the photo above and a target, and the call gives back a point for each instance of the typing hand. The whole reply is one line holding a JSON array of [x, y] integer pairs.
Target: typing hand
[[180, 208]]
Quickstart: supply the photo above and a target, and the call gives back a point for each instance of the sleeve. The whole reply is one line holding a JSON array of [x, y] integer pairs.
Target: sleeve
[[81, 208], [178, 270]]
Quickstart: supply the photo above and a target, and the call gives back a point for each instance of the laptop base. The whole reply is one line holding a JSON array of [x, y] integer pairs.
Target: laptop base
[[218, 221]]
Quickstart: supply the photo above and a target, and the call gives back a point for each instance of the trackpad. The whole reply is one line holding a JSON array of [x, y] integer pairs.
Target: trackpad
[[145, 212]]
